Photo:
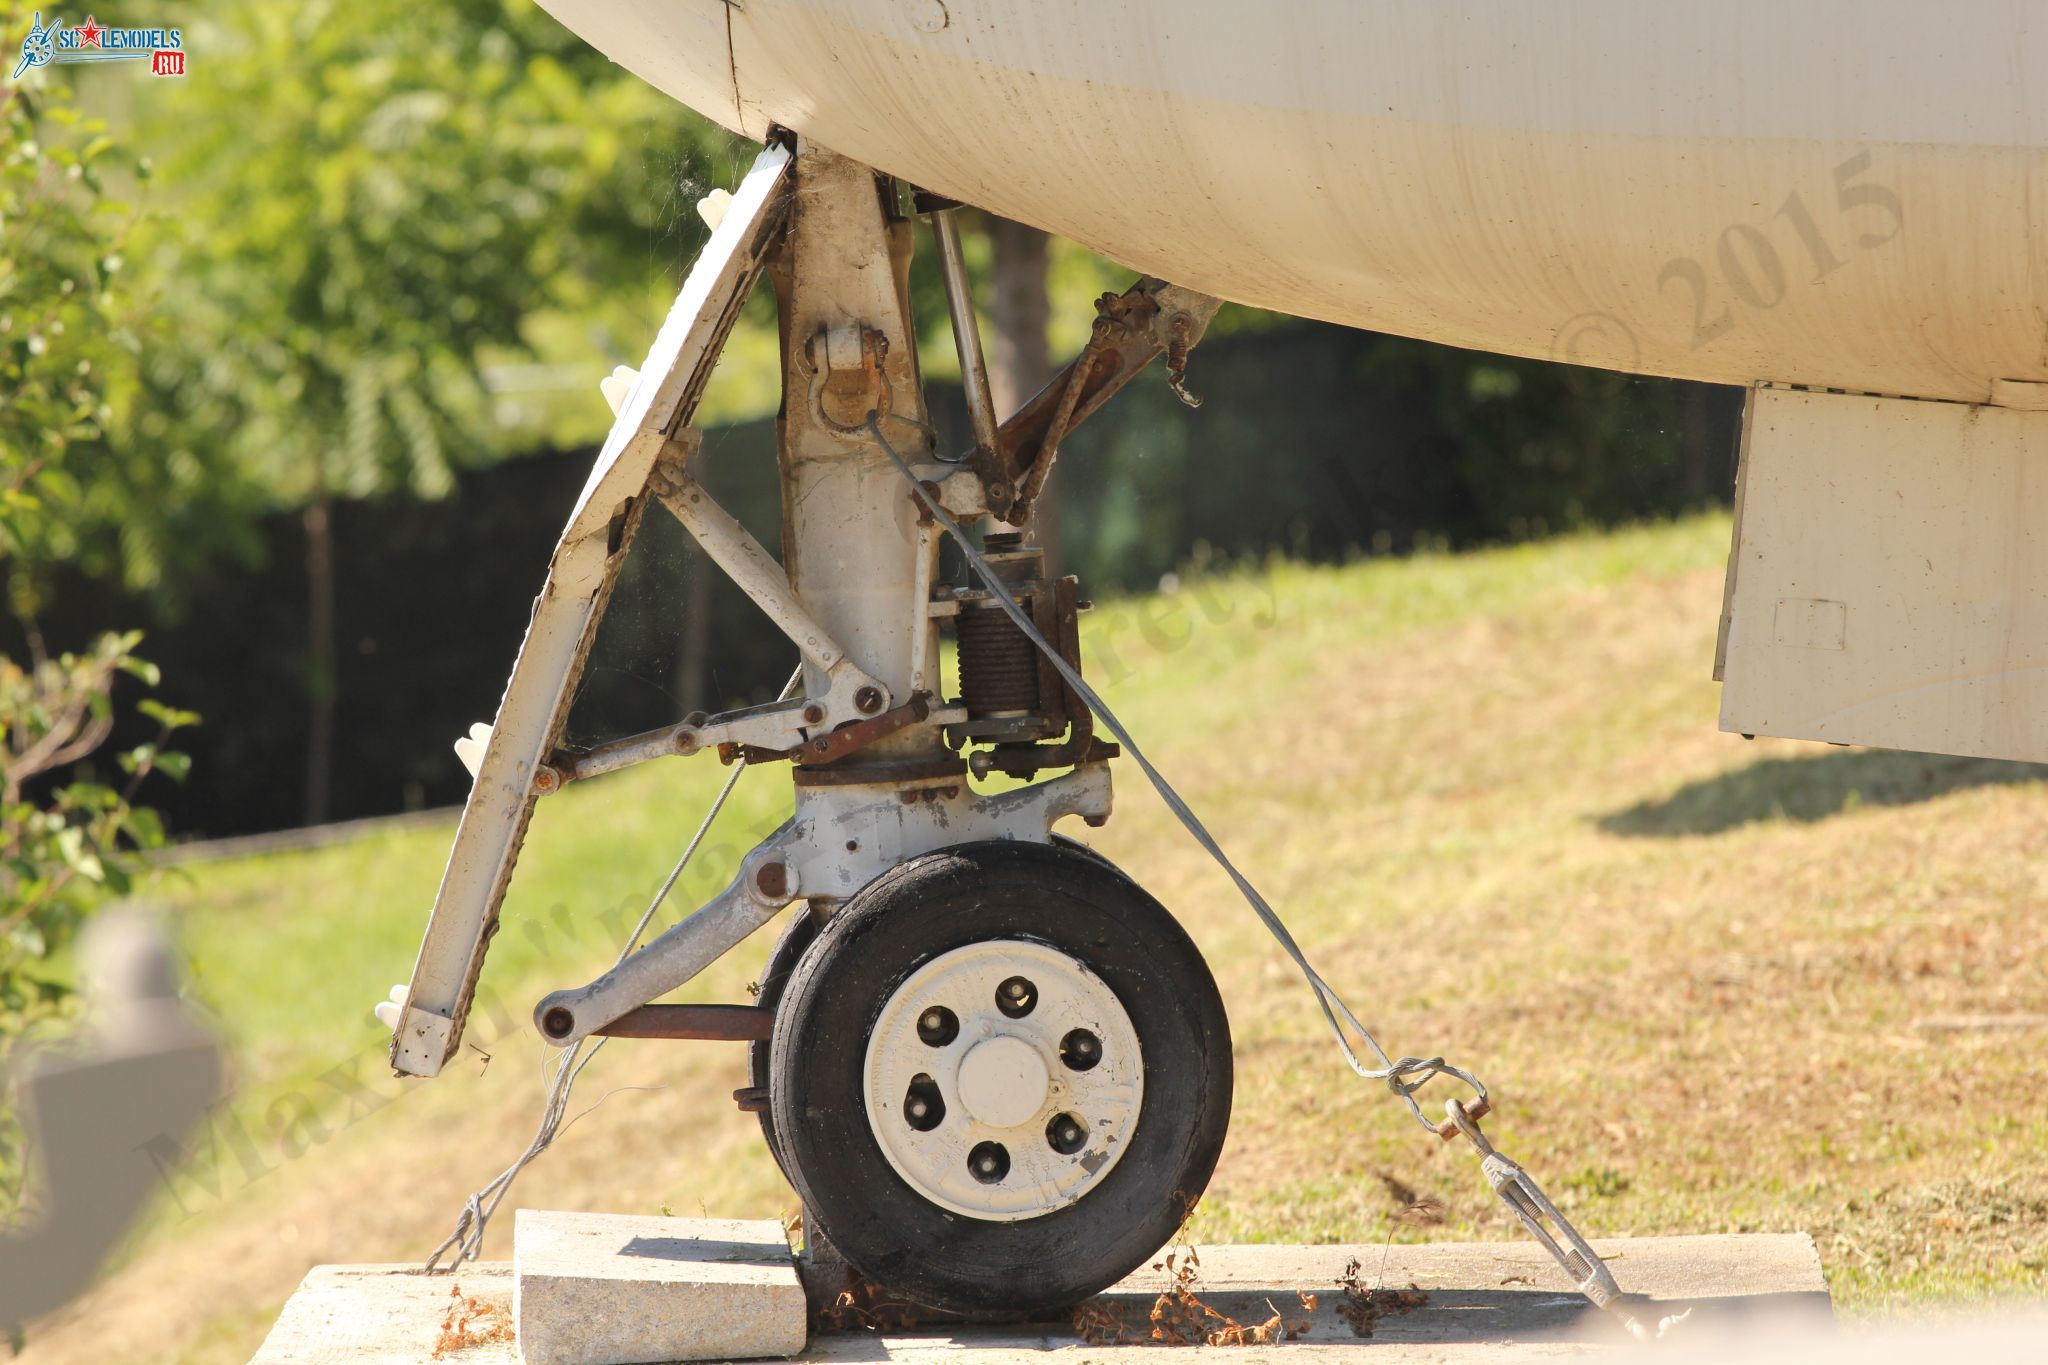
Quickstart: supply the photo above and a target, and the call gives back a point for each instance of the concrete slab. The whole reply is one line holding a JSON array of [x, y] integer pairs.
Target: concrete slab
[[1488, 1301], [617, 1289]]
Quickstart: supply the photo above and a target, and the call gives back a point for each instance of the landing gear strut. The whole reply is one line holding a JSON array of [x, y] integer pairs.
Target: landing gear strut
[[997, 1072]]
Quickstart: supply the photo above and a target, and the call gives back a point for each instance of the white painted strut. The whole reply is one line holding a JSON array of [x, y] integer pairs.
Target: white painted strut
[[565, 616]]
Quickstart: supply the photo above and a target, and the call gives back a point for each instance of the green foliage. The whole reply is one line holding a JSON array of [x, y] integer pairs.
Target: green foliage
[[67, 343], [371, 201], [67, 849]]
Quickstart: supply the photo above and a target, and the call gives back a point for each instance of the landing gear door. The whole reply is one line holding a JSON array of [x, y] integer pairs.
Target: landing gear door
[[565, 616], [1888, 584]]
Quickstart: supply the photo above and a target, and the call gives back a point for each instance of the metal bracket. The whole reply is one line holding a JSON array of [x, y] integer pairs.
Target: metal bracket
[[840, 839], [1150, 319], [852, 693]]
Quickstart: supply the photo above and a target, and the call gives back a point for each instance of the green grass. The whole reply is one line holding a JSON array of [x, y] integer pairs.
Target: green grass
[[1704, 977]]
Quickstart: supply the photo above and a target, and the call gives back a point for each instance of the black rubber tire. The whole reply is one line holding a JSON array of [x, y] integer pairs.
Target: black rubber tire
[[1070, 900], [797, 935]]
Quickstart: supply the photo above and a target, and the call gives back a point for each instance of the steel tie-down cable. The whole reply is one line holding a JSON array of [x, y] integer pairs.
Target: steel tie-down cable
[[1588, 1273]]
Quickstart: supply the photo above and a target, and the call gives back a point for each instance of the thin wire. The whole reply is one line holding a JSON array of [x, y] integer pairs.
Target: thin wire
[[467, 1241], [1396, 1074]]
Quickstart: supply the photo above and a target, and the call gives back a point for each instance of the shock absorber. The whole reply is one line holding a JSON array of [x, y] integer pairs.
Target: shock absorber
[[1016, 701], [999, 668]]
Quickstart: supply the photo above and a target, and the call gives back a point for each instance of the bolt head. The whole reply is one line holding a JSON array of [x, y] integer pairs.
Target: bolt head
[[813, 714], [772, 880], [558, 1022], [868, 700]]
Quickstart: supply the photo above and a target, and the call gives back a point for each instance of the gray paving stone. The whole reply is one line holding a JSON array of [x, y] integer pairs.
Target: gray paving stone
[[619, 1289]]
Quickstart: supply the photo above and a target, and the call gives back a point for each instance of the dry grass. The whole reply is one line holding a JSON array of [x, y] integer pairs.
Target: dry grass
[[1703, 976]]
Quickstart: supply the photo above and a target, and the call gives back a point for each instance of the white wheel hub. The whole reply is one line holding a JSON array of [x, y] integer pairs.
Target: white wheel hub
[[1003, 1080]]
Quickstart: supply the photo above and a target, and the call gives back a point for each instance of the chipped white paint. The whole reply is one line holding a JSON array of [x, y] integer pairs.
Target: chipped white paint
[[572, 599], [840, 839]]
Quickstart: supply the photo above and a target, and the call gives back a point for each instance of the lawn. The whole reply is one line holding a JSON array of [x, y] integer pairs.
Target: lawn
[[1716, 985]]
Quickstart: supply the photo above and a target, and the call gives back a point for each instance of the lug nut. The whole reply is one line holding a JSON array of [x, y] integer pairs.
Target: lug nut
[[1016, 997], [1080, 1050], [937, 1026], [989, 1162], [923, 1107]]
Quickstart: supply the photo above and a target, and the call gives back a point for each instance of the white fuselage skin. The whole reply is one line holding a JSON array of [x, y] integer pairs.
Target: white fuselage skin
[[1830, 193]]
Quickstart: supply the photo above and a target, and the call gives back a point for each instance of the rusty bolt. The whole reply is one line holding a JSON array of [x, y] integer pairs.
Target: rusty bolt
[[813, 714], [908, 798], [546, 779], [697, 720], [772, 880], [1095, 821], [868, 700], [558, 1023], [685, 740], [1477, 1110], [821, 745], [950, 791]]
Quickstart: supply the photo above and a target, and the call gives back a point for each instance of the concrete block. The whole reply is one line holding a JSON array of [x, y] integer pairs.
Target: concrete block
[[616, 1289]]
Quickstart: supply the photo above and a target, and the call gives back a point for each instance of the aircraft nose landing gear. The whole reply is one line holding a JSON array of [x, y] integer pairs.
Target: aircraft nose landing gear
[[1001, 1077], [997, 1072]]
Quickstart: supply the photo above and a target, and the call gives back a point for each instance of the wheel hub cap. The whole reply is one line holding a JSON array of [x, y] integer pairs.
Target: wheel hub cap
[[1003, 1081]]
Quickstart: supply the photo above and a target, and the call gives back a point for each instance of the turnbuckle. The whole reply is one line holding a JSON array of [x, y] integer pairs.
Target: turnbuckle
[[1574, 1254]]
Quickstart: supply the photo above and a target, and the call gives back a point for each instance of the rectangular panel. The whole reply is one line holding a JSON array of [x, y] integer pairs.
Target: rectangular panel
[[1889, 578], [565, 615]]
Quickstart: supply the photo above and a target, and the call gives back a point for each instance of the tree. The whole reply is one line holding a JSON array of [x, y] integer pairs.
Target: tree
[[66, 346], [378, 198], [68, 343]]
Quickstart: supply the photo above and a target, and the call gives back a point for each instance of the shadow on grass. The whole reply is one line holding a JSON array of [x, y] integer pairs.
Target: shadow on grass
[[1809, 789]]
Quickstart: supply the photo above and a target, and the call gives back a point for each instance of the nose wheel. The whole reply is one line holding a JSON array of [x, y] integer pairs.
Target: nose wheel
[[1000, 1078]]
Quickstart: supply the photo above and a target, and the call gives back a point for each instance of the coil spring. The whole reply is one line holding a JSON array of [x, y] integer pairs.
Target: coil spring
[[998, 665]]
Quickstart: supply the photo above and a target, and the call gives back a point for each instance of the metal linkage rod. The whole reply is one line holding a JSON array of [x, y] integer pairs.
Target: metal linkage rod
[[981, 403]]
